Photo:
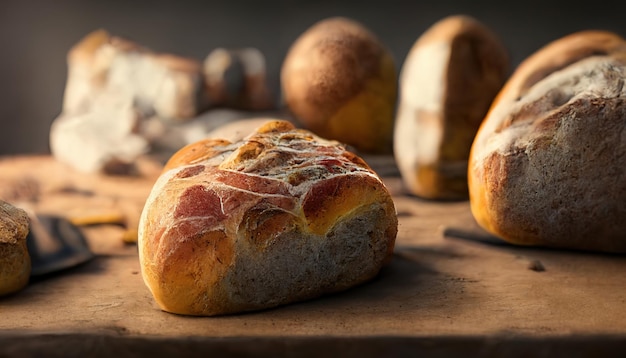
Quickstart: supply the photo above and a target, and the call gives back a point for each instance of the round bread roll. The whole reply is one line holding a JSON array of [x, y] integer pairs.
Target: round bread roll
[[447, 83], [15, 263], [339, 80], [548, 165], [278, 217]]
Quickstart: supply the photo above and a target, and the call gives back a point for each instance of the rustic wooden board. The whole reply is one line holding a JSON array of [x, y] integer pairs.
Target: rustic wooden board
[[440, 294]]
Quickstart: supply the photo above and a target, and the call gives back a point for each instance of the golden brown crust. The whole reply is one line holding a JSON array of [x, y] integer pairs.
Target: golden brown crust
[[14, 258], [85, 50], [330, 65], [547, 165], [194, 153], [278, 217], [447, 83], [327, 42]]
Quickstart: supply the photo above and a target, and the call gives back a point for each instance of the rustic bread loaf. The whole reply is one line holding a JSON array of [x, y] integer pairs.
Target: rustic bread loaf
[[237, 78], [278, 217], [548, 165], [119, 99], [339, 80], [447, 83], [15, 263], [168, 85]]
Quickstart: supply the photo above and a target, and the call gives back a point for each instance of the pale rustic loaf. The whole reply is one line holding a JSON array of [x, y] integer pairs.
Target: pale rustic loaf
[[447, 83], [548, 165], [120, 99], [15, 265], [278, 217], [168, 85]]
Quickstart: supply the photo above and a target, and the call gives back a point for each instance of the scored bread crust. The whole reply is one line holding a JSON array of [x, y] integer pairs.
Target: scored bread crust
[[279, 217], [547, 166]]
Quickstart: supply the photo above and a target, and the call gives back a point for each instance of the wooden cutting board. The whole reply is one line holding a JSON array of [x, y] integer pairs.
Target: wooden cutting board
[[442, 294]]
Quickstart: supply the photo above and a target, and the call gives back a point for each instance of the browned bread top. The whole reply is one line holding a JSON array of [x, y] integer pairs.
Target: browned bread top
[[277, 217], [13, 223], [547, 166], [447, 83], [339, 80], [15, 264], [560, 54]]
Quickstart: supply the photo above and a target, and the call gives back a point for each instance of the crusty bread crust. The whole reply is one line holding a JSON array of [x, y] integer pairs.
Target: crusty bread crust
[[447, 83], [339, 72], [15, 266], [548, 164], [279, 217]]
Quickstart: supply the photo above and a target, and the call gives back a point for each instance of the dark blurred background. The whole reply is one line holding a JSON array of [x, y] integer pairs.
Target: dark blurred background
[[36, 35]]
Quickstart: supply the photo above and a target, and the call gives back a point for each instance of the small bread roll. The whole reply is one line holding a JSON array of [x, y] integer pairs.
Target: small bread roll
[[15, 264], [447, 83], [278, 217], [339, 80], [548, 165]]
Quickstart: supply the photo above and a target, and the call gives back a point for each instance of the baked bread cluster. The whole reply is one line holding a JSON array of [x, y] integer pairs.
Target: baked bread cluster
[[278, 217], [548, 164], [123, 100]]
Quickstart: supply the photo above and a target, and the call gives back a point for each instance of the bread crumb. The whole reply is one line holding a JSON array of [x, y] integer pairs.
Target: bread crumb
[[536, 265]]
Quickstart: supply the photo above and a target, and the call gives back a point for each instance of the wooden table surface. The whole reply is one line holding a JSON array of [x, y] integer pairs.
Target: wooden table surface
[[441, 295]]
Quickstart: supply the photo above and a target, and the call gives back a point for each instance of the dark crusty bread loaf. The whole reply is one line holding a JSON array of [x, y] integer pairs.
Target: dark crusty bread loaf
[[15, 266], [278, 217], [548, 165], [447, 83]]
